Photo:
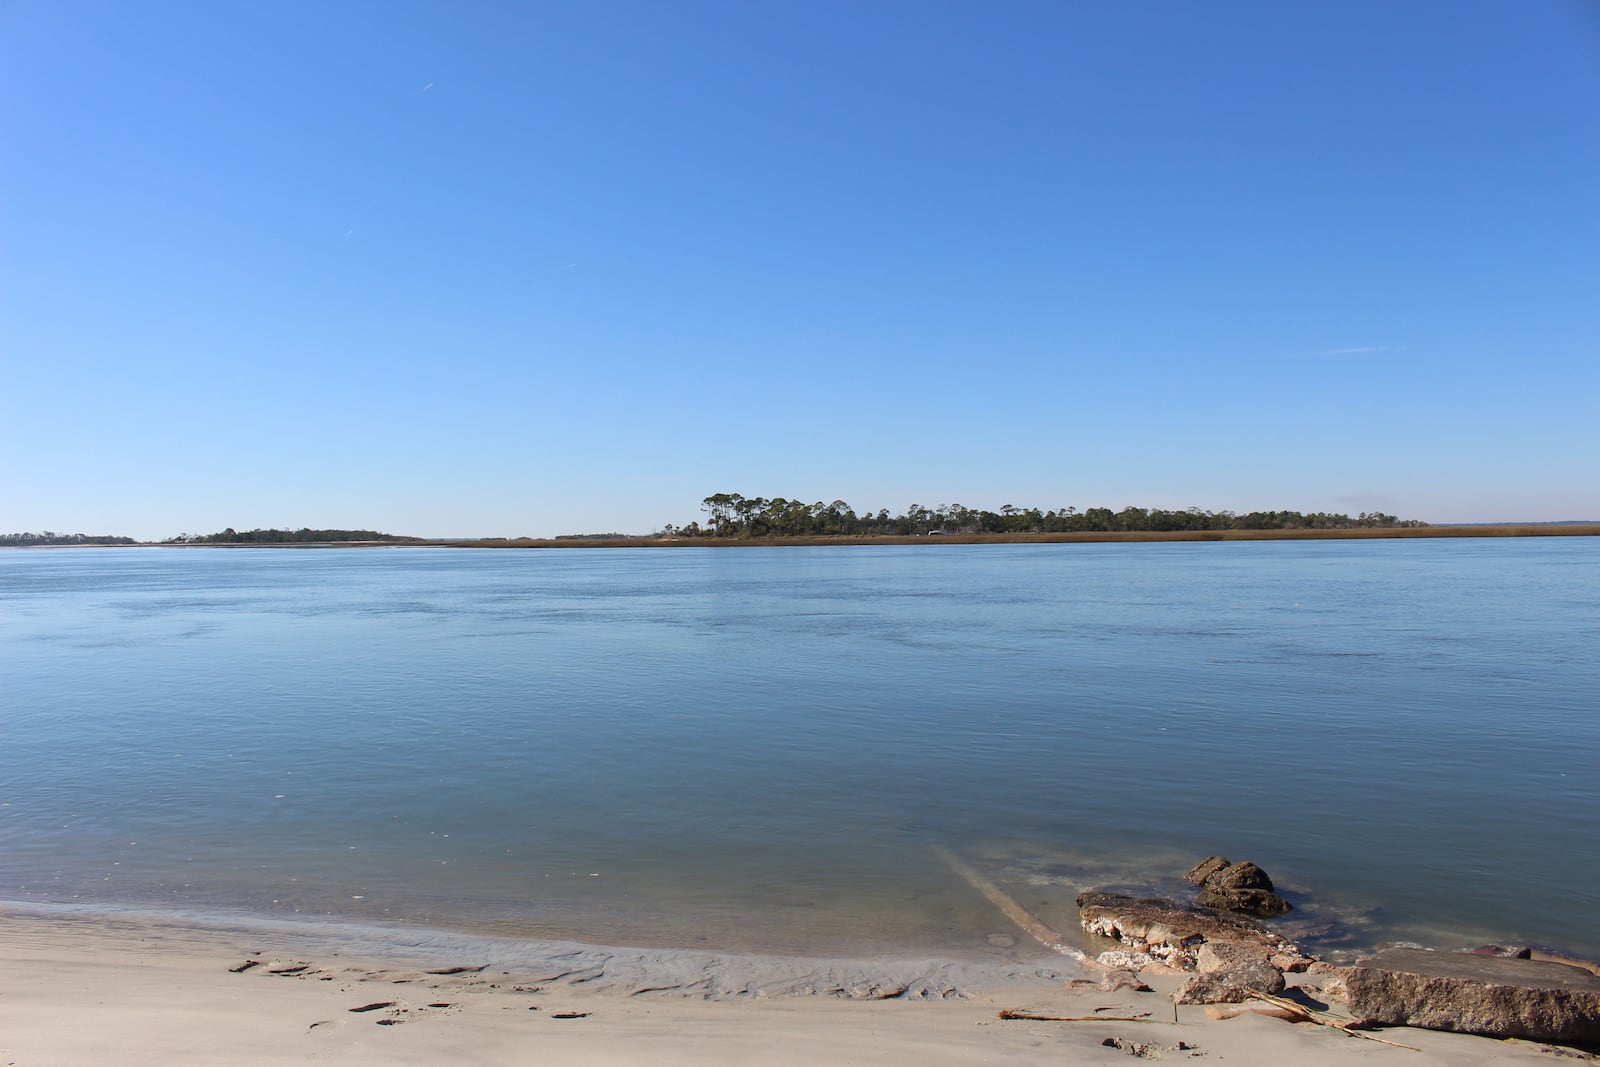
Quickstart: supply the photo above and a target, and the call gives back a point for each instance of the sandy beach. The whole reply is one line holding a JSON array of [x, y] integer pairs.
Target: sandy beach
[[79, 988]]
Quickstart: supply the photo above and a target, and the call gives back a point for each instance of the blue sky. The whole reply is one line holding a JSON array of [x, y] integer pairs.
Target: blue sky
[[504, 269]]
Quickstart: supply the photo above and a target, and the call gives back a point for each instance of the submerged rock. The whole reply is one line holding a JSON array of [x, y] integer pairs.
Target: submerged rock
[[1536, 1000]]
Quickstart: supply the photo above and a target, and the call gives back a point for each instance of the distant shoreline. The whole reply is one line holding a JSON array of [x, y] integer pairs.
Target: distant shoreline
[[1108, 537]]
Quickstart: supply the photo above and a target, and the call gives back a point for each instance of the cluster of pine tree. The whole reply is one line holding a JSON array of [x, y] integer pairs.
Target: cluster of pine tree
[[230, 536], [50, 537], [734, 515]]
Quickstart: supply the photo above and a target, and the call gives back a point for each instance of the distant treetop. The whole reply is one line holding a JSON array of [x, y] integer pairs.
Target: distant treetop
[[230, 536], [50, 537], [733, 515]]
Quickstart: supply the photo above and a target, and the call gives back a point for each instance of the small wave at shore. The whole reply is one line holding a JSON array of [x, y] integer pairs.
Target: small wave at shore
[[699, 974]]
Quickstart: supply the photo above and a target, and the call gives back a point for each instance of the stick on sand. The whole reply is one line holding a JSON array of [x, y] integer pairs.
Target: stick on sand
[[1012, 1013], [1312, 1015]]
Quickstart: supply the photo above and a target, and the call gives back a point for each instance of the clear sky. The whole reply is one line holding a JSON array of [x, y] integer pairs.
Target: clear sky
[[537, 268]]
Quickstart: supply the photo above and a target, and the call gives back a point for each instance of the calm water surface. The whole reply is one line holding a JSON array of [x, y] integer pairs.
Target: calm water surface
[[761, 748]]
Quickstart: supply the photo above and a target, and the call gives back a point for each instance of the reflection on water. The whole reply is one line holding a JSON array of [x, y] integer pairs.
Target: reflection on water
[[761, 748]]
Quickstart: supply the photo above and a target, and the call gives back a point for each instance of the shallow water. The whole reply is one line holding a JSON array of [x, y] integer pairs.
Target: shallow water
[[759, 749]]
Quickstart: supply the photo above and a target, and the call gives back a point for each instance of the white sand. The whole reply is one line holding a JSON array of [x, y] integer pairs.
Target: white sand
[[86, 989]]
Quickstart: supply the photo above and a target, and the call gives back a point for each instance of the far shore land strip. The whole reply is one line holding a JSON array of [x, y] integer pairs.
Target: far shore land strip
[[735, 520], [851, 540], [1104, 537]]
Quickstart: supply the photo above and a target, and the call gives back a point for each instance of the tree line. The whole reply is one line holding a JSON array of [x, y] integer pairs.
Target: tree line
[[230, 536], [735, 515], [50, 537]]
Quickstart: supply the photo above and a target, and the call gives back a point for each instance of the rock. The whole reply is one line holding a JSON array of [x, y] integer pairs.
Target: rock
[[1240, 887], [1172, 932], [1148, 1050], [1493, 996], [1521, 952], [1122, 960], [1231, 986], [1333, 978], [1217, 956], [1206, 868], [1165, 921], [1159, 967], [1262, 902], [1240, 876], [1120, 979]]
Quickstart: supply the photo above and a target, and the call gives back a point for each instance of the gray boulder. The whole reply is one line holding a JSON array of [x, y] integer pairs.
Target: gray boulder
[[1217, 956], [1231, 986], [1536, 1000]]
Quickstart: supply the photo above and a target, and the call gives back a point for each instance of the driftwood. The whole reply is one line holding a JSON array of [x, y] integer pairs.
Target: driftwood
[[1233, 1011], [1013, 1013], [1302, 1013]]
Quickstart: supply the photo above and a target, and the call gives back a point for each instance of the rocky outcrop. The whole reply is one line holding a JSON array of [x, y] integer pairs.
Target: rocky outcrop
[[1175, 934], [1536, 1000], [1234, 955], [1240, 887]]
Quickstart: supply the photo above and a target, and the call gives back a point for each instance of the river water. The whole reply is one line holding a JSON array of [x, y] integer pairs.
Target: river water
[[765, 749]]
